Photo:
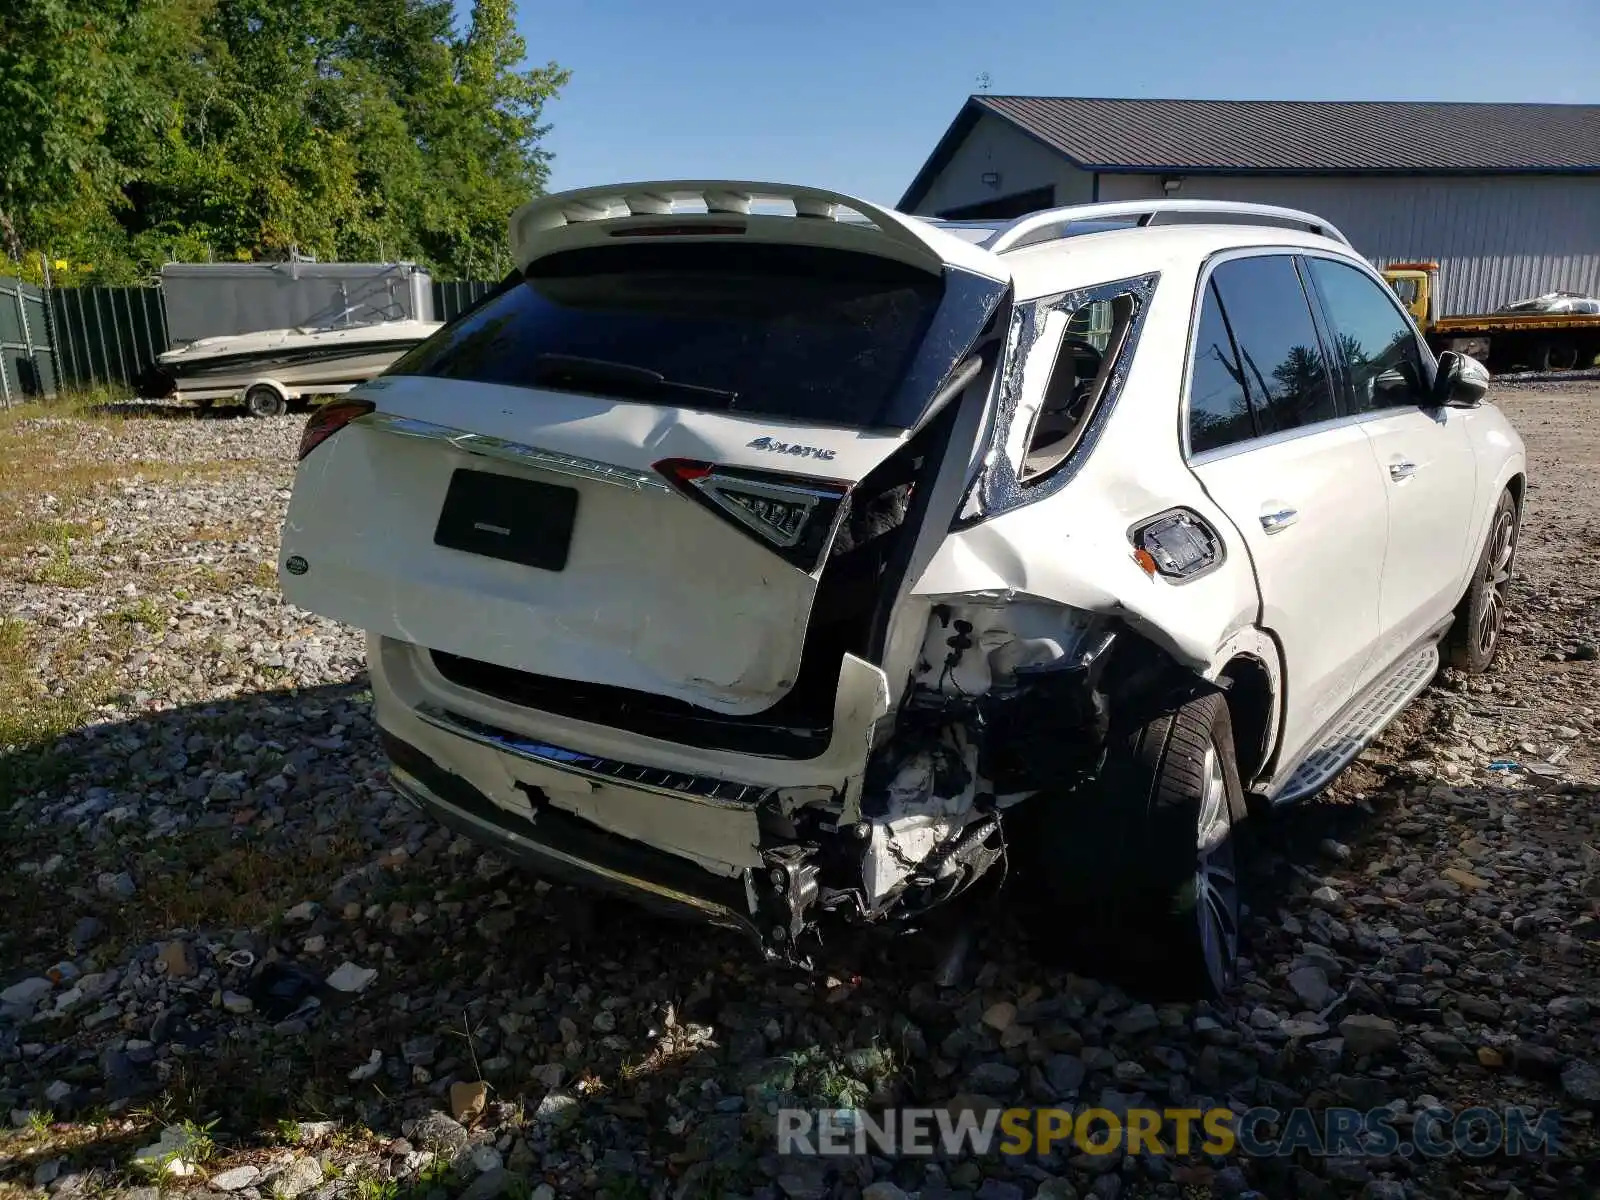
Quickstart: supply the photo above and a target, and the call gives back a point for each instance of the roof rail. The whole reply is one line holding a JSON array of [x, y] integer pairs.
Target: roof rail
[[1053, 223]]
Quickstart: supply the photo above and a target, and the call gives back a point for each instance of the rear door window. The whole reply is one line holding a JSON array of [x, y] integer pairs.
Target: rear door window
[[1220, 413], [1374, 341], [1280, 357], [790, 331]]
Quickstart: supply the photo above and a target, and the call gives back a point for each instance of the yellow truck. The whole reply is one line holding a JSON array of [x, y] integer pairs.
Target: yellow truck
[[1502, 341]]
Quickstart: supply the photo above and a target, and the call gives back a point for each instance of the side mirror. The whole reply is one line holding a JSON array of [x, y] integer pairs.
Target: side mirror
[[1461, 382], [1399, 385]]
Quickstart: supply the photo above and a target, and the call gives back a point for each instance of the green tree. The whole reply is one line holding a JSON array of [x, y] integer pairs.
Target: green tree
[[242, 128], [59, 71], [481, 131]]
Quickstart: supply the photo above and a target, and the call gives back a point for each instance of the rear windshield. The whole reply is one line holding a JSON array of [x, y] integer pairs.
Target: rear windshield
[[780, 330]]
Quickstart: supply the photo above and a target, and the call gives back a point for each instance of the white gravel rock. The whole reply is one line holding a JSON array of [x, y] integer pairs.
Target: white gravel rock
[[298, 1176], [351, 978], [29, 991], [486, 1158], [237, 1179]]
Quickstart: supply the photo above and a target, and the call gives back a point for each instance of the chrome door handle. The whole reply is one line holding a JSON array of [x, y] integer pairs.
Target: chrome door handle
[[1404, 469], [1279, 519]]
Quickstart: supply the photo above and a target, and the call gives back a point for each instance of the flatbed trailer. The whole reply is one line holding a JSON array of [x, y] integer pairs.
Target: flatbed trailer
[[1502, 341]]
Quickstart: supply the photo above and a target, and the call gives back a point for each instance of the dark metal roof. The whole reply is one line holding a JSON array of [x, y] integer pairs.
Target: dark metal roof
[[1290, 136]]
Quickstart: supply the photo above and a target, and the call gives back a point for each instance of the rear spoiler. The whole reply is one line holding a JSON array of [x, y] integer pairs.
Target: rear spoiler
[[711, 208]]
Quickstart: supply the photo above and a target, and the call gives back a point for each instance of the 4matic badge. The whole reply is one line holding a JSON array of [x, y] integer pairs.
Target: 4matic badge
[[777, 447]]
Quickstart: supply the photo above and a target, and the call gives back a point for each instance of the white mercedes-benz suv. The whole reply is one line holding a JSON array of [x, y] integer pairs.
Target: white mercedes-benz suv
[[767, 554]]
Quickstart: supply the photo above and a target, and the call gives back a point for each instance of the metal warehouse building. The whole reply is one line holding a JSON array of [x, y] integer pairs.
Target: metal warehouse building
[[1505, 197]]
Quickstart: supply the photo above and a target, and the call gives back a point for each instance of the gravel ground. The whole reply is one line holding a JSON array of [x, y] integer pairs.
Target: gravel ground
[[231, 962]]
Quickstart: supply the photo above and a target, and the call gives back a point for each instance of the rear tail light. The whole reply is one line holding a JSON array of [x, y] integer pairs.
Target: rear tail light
[[791, 514], [328, 419]]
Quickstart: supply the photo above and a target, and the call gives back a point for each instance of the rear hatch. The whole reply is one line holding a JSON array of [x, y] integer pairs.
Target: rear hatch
[[628, 465]]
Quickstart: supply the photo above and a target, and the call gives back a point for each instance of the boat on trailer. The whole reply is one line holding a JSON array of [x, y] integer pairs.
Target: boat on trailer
[[271, 368]]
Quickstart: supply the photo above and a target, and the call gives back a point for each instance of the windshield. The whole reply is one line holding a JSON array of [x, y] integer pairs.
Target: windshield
[[361, 313], [781, 330]]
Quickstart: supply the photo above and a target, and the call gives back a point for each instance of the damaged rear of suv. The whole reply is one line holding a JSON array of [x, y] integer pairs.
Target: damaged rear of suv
[[764, 554]]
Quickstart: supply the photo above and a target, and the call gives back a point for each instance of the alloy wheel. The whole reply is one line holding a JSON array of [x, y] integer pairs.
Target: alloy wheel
[[1216, 877], [1497, 577]]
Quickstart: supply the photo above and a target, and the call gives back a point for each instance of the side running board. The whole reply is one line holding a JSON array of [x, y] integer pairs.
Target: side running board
[[1359, 725]]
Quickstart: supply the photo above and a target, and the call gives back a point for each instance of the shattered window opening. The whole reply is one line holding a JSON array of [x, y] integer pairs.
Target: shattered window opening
[[1089, 349], [998, 486]]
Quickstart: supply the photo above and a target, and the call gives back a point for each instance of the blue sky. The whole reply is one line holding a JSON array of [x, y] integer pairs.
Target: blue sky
[[853, 96]]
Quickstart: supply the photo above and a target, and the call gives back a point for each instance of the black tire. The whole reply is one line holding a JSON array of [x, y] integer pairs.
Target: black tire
[[1474, 639], [1143, 859], [265, 401], [1557, 355]]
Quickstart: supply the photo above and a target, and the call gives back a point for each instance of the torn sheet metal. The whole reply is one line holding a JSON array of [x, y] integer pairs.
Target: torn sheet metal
[[1094, 572]]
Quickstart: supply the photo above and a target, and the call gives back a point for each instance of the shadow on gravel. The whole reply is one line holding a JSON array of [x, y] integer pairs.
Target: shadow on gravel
[[210, 880], [202, 875], [167, 410], [73, 1153], [227, 870]]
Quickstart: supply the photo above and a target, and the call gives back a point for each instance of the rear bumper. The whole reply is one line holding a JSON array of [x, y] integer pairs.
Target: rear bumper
[[688, 844], [408, 692], [567, 849]]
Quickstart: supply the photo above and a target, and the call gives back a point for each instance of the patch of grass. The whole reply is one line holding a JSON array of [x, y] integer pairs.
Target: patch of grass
[[210, 579], [200, 1147], [70, 403], [57, 449], [208, 878], [13, 636], [144, 612], [62, 570], [93, 1147], [369, 1188], [436, 1175], [843, 1079], [31, 715], [50, 450], [354, 1136], [50, 531]]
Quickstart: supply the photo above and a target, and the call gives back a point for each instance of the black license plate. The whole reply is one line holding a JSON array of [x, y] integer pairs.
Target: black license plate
[[501, 516]]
